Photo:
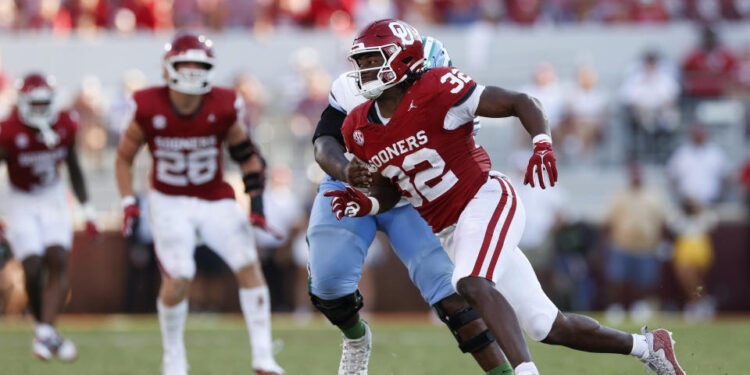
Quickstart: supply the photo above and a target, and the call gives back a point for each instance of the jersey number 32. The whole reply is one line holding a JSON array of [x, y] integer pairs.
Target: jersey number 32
[[428, 183]]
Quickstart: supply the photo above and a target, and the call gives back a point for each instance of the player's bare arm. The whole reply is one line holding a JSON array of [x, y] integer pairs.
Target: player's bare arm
[[243, 151], [329, 154], [330, 151], [131, 142], [498, 102], [385, 192], [76, 176]]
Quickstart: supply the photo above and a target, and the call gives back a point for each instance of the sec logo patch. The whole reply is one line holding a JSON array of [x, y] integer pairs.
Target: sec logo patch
[[159, 122], [359, 137]]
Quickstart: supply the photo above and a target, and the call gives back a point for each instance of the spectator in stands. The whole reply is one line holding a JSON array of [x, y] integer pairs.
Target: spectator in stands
[[635, 223], [545, 88], [89, 13], [8, 15], [122, 106], [372, 10], [544, 213], [254, 97], [150, 14], [587, 111], [91, 108], [283, 212], [7, 90], [649, 94], [709, 70], [524, 12], [692, 259], [745, 182], [698, 169], [50, 15]]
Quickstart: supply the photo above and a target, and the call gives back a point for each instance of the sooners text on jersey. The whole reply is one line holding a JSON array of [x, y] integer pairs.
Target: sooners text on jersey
[[438, 170], [31, 163], [186, 150]]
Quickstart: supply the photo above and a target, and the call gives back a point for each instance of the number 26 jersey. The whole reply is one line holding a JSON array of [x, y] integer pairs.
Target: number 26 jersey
[[187, 150], [425, 148]]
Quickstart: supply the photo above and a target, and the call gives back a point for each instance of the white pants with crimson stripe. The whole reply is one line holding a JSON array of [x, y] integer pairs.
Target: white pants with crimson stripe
[[484, 243]]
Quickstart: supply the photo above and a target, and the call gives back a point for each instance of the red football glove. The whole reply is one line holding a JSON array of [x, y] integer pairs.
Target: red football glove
[[258, 217], [91, 229], [543, 158], [130, 214], [351, 202], [90, 213], [259, 221]]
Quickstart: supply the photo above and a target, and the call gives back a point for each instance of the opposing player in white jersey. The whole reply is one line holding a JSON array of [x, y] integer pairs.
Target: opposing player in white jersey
[[185, 124], [416, 131], [338, 247], [34, 140]]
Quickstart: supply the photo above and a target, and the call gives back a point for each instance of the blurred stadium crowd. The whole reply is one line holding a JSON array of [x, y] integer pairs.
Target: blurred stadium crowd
[[63, 16], [671, 233]]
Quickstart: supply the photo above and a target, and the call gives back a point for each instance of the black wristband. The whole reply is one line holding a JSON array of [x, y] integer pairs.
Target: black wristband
[[254, 181], [242, 151], [256, 205]]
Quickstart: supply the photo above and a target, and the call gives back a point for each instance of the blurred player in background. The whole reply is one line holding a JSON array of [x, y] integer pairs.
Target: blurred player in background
[[338, 248], [184, 124], [426, 147], [34, 140]]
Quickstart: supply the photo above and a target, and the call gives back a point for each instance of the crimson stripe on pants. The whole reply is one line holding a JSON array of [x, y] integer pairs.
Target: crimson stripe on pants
[[490, 231], [504, 232]]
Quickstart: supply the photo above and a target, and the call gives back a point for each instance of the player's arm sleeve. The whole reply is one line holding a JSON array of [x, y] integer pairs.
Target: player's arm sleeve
[[464, 110], [331, 121]]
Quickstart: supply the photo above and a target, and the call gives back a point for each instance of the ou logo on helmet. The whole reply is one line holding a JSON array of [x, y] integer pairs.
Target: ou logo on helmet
[[406, 33]]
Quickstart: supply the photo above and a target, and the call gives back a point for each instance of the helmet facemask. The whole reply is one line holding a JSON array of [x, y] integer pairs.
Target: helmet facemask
[[35, 107], [190, 80], [36, 110], [385, 77]]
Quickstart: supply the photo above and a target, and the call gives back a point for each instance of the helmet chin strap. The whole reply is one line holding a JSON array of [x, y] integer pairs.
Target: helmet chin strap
[[49, 137], [372, 90]]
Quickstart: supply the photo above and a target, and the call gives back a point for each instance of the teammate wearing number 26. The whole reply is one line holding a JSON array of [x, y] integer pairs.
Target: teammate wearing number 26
[[34, 140], [417, 132], [185, 123]]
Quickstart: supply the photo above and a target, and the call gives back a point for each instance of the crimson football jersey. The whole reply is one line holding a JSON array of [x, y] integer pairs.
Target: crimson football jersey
[[438, 170], [31, 163], [187, 150]]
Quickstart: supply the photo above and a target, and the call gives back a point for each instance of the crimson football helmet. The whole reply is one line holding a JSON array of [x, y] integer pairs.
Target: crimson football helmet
[[36, 94], [185, 48], [401, 48]]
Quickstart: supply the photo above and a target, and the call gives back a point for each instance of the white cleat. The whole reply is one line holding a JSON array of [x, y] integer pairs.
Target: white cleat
[[42, 349], [356, 354], [267, 367], [661, 357], [174, 366], [55, 346], [67, 351]]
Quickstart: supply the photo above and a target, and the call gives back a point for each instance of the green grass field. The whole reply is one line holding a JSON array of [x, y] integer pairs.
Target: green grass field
[[401, 345]]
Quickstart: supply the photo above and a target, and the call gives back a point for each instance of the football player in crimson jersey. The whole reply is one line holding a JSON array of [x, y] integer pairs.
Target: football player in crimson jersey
[[34, 140], [184, 124], [335, 265], [416, 131]]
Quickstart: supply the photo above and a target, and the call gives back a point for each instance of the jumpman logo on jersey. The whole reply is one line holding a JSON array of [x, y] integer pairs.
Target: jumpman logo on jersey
[[411, 106]]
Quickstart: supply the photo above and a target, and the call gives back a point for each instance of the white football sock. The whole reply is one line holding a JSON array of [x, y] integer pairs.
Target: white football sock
[[640, 346], [256, 307], [526, 368], [44, 331], [172, 322]]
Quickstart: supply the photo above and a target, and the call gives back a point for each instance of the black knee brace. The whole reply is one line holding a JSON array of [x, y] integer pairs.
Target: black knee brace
[[339, 310], [459, 319]]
